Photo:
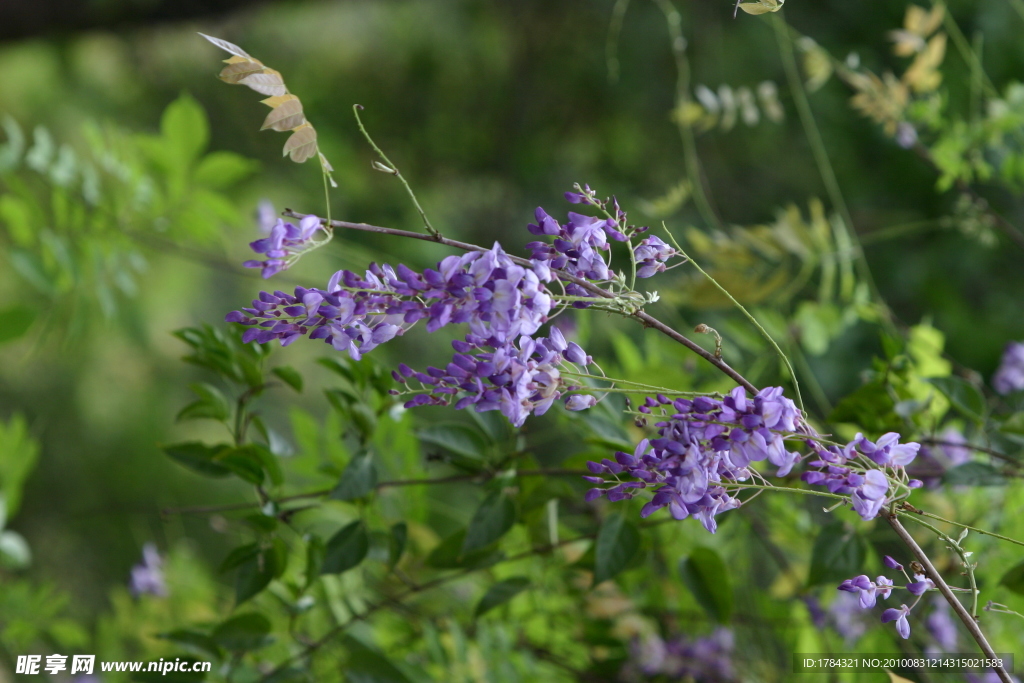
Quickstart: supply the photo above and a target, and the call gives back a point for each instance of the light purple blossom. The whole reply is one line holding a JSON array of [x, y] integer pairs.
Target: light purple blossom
[[941, 626], [518, 379], [846, 616], [920, 585], [900, 617], [867, 590], [283, 244], [706, 659], [1009, 376], [703, 443], [651, 255], [148, 577]]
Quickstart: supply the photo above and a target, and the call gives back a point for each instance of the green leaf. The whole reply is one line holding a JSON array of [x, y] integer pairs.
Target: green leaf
[[15, 321], [243, 463], [964, 396], [263, 458], [19, 453], [492, 520], [456, 438], [219, 170], [367, 665], [617, 543], [1014, 579], [358, 480], [707, 577], [974, 474], [449, 555], [239, 555], [838, 554], [211, 404], [399, 536], [346, 549], [871, 407], [289, 376], [193, 640], [256, 573], [199, 458], [500, 593], [243, 633], [184, 126]]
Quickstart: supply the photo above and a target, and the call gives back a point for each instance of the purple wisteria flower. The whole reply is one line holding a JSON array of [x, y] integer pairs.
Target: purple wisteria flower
[[941, 626], [651, 255], [867, 589], [148, 577], [498, 298], [703, 443], [868, 490], [284, 243], [705, 659], [846, 616], [899, 615], [517, 379], [1009, 376]]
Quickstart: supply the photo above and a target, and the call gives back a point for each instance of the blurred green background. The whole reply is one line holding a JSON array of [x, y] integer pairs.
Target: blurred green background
[[490, 109]]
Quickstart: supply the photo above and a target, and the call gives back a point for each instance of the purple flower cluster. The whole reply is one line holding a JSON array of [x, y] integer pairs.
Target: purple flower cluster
[[519, 380], [577, 246], [868, 490], [499, 299], [284, 243], [651, 255], [702, 660], [704, 442], [868, 590], [1009, 376]]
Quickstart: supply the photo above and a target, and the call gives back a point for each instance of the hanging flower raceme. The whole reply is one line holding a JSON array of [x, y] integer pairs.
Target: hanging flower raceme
[[843, 470], [519, 379], [497, 298], [704, 443], [706, 446]]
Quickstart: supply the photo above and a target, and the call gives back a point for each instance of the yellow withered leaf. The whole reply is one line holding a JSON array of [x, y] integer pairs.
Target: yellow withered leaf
[[922, 22], [285, 116], [762, 6], [266, 82], [923, 75], [302, 144], [243, 68]]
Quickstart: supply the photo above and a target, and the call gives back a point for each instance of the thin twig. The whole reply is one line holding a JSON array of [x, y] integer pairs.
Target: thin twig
[[961, 611]]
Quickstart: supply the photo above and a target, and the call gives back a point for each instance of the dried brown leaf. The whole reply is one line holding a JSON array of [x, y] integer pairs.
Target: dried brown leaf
[[267, 82], [302, 144], [226, 46], [240, 70], [286, 116]]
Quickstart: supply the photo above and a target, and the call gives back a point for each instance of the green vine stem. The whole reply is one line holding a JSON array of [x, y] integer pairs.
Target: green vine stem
[[393, 169]]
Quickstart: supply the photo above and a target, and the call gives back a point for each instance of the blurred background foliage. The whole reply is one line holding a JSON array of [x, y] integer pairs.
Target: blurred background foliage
[[130, 180]]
